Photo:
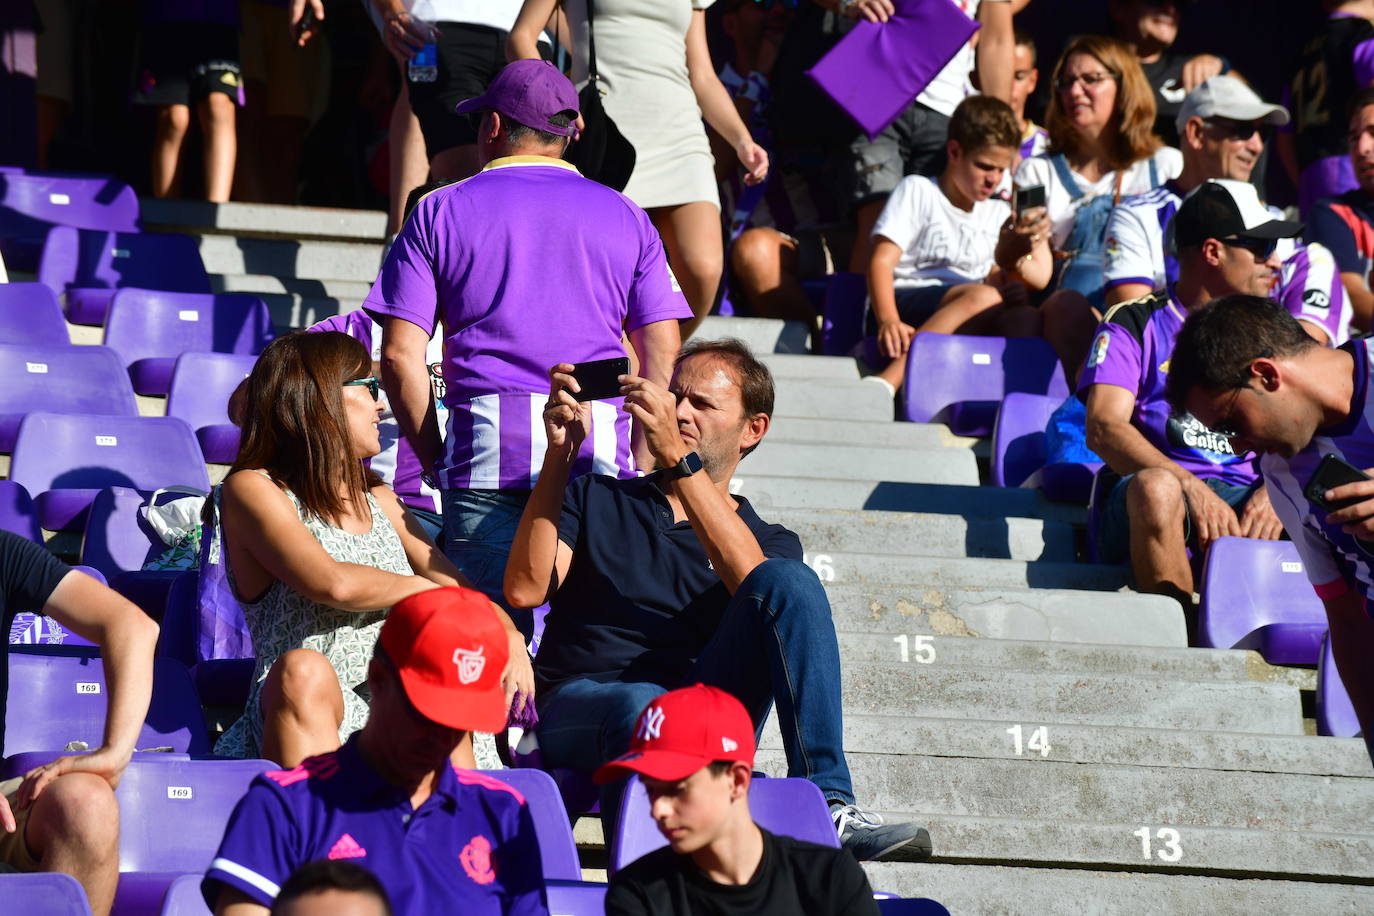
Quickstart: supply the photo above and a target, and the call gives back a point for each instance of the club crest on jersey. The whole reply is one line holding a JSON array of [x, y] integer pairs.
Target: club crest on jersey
[[1099, 349], [470, 663], [650, 724], [476, 860]]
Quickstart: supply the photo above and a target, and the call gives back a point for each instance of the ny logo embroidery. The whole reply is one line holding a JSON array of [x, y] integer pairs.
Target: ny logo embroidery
[[650, 724], [470, 664]]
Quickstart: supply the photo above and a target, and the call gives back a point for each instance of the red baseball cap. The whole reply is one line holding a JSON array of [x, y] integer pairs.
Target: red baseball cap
[[450, 649], [681, 732]]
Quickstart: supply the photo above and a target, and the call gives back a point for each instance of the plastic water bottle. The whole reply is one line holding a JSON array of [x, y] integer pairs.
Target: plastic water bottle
[[424, 66]]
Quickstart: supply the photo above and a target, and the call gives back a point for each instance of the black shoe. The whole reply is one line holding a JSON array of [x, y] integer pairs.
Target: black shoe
[[870, 840]]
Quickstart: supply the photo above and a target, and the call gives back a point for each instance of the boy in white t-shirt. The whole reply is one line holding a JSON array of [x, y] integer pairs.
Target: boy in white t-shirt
[[934, 242]]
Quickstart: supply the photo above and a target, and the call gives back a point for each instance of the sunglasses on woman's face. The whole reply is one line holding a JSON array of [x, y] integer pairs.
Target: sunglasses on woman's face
[[374, 386]]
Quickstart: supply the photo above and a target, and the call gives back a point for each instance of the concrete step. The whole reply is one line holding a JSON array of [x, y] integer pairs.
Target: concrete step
[[763, 335], [956, 466], [1057, 615], [1237, 852], [1102, 794], [918, 534], [356, 261], [866, 434], [962, 572], [799, 365], [308, 301], [262, 220], [1182, 664], [989, 890], [831, 399], [1049, 698], [766, 490]]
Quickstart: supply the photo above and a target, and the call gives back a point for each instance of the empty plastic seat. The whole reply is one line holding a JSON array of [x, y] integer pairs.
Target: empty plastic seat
[[200, 390], [44, 893], [1335, 714], [56, 699], [30, 314], [961, 380], [1256, 595], [1018, 450], [184, 898], [31, 204], [842, 313], [557, 849], [65, 460], [791, 807], [62, 379], [150, 328], [576, 898], [17, 513], [89, 266]]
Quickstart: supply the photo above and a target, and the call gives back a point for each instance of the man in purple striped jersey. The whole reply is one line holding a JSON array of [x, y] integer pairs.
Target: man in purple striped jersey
[[1246, 368], [525, 264]]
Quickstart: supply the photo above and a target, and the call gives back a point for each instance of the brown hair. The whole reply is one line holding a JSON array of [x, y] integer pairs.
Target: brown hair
[[754, 380], [293, 418], [981, 121], [1133, 113]]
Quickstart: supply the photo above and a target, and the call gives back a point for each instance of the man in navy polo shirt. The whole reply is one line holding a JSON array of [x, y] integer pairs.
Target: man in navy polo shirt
[[440, 839], [664, 580]]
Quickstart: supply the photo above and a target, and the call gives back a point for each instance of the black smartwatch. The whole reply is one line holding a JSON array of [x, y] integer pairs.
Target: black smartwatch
[[689, 465]]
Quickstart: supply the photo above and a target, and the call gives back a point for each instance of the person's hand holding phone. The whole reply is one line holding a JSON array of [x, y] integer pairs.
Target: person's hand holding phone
[[567, 421], [655, 408], [1356, 519]]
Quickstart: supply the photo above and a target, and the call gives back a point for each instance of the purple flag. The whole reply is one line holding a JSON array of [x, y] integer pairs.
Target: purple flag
[[877, 69]]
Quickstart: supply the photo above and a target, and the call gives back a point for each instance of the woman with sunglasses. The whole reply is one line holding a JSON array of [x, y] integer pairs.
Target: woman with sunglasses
[[1102, 149], [318, 549]]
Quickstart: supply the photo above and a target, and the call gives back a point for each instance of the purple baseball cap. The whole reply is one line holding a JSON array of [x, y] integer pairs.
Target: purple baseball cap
[[531, 92]]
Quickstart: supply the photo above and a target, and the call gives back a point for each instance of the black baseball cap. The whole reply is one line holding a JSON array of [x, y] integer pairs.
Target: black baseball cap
[[1223, 209]]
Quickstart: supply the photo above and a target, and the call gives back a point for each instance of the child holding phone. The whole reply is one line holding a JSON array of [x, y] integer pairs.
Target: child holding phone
[[932, 262]]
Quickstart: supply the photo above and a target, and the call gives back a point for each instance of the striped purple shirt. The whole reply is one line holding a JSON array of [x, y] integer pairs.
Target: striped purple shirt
[[527, 264], [1310, 287]]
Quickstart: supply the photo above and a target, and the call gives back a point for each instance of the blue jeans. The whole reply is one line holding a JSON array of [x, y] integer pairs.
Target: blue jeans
[[775, 644], [479, 526]]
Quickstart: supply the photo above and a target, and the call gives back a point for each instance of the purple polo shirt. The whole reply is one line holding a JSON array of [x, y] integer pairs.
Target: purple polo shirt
[[527, 264], [469, 848], [1131, 350]]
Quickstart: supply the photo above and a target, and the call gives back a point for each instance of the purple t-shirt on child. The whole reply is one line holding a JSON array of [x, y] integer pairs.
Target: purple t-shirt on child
[[1131, 350], [527, 264], [469, 848]]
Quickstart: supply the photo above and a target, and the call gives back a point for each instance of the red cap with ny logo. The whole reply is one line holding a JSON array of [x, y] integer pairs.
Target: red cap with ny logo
[[681, 732]]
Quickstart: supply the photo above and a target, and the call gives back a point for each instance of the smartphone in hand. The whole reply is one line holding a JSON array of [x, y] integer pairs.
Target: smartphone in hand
[[600, 378], [1029, 197], [1333, 471]]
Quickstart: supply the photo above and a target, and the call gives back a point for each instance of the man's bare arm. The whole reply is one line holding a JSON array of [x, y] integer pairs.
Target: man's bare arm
[[405, 375]]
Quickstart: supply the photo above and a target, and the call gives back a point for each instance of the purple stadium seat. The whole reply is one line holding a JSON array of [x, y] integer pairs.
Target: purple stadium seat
[[1018, 437], [1335, 715], [30, 204], [150, 328], [17, 513], [576, 898], [56, 699], [1255, 595], [44, 893], [65, 460], [557, 850], [63, 379], [200, 390], [30, 314], [791, 807], [964, 379], [118, 539], [89, 266], [184, 898], [219, 681], [842, 314], [911, 906]]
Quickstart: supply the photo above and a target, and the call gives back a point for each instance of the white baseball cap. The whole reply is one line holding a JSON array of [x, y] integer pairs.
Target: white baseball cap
[[1228, 97]]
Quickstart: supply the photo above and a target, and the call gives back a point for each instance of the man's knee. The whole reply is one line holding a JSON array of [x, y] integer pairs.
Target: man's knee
[[1154, 500], [174, 119], [1067, 307], [75, 810], [780, 576], [756, 251]]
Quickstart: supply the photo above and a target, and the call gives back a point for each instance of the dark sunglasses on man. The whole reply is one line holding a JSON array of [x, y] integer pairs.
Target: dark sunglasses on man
[[1262, 249], [1240, 130]]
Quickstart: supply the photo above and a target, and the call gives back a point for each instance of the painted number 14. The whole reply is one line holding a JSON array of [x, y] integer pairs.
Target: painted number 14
[[1039, 741]]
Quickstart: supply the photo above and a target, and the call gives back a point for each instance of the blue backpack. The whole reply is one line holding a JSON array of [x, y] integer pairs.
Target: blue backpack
[[1084, 258]]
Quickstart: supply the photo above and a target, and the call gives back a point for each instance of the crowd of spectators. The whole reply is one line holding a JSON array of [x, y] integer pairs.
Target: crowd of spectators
[[392, 606]]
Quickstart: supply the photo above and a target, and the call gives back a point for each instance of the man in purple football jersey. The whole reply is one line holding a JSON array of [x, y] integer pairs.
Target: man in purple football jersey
[[525, 264], [1180, 483]]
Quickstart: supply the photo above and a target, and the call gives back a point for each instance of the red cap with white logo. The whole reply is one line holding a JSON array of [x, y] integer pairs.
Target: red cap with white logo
[[450, 649], [683, 731]]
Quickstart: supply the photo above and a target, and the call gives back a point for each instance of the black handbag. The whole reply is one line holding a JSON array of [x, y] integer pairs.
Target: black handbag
[[601, 152]]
